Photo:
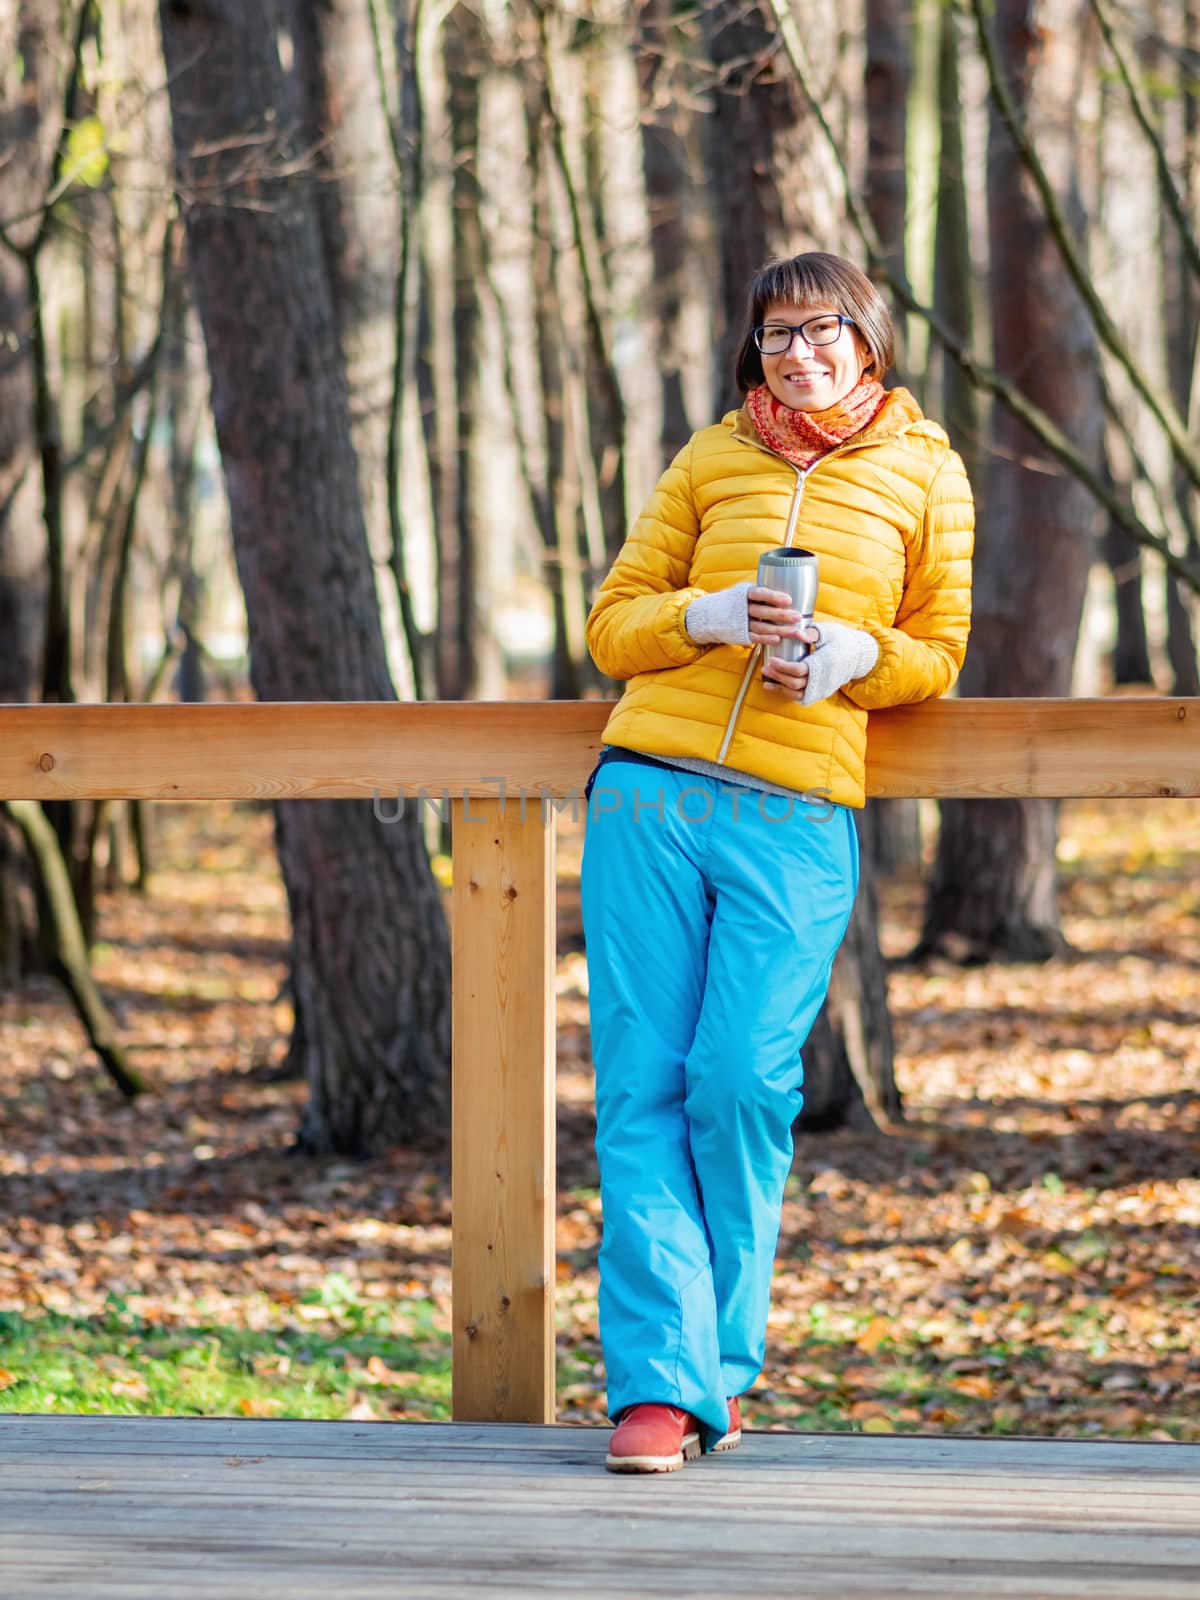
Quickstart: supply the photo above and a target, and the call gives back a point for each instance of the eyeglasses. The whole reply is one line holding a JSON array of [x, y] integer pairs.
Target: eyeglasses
[[774, 338]]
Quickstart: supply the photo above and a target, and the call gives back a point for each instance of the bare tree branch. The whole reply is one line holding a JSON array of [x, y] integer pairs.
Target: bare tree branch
[[56, 185], [410, 170], [70, 948], [590, 269], [1161, 405], [128, 392], [1039, 423], [70, 102], [114, 131], [1166, 179]]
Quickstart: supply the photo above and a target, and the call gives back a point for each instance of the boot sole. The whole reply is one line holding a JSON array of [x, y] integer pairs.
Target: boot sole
[[730, 1441], [689, 1452]]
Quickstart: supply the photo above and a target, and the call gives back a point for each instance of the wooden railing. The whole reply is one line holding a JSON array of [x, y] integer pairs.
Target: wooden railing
[[506, 768]]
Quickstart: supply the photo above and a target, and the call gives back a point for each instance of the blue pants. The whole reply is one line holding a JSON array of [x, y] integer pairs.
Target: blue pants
[[712, 914]]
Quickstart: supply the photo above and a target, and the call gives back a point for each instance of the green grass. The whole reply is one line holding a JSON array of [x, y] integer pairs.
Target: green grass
[[332, 1355], [347, 1355]]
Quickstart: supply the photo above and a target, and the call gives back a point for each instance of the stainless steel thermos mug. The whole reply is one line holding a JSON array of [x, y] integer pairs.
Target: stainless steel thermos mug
[[794, 572]]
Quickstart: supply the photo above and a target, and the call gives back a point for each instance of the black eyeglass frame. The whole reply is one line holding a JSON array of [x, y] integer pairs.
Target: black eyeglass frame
[[794, 328]]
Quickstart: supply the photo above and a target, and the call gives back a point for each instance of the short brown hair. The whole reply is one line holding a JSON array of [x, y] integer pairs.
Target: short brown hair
[[812, 279]]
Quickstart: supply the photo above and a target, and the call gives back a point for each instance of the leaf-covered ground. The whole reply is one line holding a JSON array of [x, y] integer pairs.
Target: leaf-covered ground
[[1022, 1258]]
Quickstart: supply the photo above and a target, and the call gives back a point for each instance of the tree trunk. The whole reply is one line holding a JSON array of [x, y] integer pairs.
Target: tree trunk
[[479, 379], [442, 360], [185, 383], [682, 227], [1149, 297], [775, 185], [569, 342], [1131, 648], [371, 955], [578, 560], [1181, 641], [757, 132], [69, 948], [666, 190], [895, 830], [22, 597], [849, 1078], [511, 247], [410, 500], [345, 125], [596, 416], [29, 97], [22, 543], [888, 75], [1181, 304], [624, 221], [994, 887], [952, 274]]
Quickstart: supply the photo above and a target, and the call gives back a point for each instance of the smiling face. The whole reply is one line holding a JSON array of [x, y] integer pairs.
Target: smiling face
[[809, 378]]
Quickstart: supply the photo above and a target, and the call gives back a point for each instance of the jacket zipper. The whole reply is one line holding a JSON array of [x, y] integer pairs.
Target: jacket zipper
[[790, 534], [788, 538]]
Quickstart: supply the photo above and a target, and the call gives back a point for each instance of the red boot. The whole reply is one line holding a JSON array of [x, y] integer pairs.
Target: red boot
[[733, 1436], [653, 1438]]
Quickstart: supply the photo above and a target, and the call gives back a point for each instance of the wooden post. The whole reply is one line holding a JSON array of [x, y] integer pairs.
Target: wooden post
[[503, 1178]]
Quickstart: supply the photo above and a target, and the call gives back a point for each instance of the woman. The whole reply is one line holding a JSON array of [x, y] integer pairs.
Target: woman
[[721, 861]]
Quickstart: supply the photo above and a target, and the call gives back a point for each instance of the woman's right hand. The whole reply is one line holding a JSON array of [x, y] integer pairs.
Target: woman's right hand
[[771, 616], [742, 614]]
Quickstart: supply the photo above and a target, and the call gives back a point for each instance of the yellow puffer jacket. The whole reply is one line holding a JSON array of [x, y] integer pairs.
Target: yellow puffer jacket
[[889, 515]]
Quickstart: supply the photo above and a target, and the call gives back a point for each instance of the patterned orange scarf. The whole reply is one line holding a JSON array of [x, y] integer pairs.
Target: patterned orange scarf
[[803, 437]]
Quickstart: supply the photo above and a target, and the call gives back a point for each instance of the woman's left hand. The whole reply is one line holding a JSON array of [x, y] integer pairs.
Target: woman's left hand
[[790, 678]]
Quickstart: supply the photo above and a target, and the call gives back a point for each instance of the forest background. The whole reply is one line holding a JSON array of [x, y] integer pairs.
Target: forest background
[[340, 340]]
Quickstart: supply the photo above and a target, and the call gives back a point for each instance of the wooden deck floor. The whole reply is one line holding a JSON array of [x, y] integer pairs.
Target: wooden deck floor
[[99, 1508]]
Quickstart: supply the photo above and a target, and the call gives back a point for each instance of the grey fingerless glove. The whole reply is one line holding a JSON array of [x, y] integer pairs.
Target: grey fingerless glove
[[843, 655], [721, 618]]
